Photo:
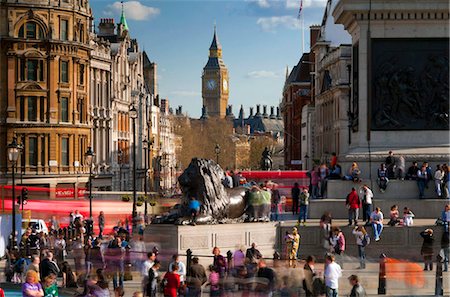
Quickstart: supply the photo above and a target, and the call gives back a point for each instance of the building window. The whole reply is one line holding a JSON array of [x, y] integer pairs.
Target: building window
[[31, 30], [81, 110], [65, 151], [81, 74], [22, 109], [32, 109], [32, 151], [43, 151], [64, 29], [65, 71], [81, 32], [31, 69], [42, 109], [64, 109]]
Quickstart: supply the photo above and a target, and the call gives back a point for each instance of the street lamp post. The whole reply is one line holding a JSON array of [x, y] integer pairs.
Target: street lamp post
[[133, 116], [89, 158], [14, 150], [217, 151], [145, 146]]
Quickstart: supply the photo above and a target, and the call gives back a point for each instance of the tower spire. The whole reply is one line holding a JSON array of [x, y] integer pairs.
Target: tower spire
[[123, 20]]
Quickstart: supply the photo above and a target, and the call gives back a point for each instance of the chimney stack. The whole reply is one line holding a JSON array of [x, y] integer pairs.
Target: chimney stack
[[278, 114], [251, 112], [106, 27], [265, 115], [258, 110], [272, 112]]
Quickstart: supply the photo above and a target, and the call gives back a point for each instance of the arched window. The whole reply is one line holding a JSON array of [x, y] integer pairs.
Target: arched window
[[31, 30]]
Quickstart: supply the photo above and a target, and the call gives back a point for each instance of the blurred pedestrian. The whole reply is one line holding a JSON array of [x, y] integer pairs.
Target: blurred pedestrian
[[101, 224], [69, 277], [50, 286], [366, 201], [294, 244], [445, 248], [357, 289], [362, 240], [427, 248], [295, 193], [276, 200], [338, 244], [31, 287], [151, 258], [194, 209], [196, 278], [267, 278], [394, 216], [219, 262], [48, 266], [309, 273], [181, 271], [172, 281], [214, 282], [152, 285]]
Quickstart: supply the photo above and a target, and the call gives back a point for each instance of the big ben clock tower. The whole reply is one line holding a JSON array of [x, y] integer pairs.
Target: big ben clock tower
[[215, 81]]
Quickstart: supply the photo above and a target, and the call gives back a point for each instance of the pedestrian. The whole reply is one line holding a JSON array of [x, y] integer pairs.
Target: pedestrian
[[427, 248], [391, 165], [276, 200], [88, 255], [60, 248], [152, 285], [401, 167], [172, 281], [101, 224], [294, 242], [357, 289], [194, 209], [445, 248], [422, 180], [48, 266], [69, 277], [31, 287], [196, 278], [50, 287], [295, 193], [337, 241], [376, 218], [115, 261], [268, 279], [304, 203], [412, 171], [362, 240], [438, 178], [119, 292], [253, 254], [181, 271], [34, 265], [332, 274], [394, 216], [323, 176], [353, 204], [325, 225], [408, 217], [309, 273], [315, 182], [214, 282], [383, 178], [219, 262], [151, 257], [366, 201]]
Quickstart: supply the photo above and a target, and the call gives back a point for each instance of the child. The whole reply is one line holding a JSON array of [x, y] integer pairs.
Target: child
[[50, 288], [214, 279], [408, 216]]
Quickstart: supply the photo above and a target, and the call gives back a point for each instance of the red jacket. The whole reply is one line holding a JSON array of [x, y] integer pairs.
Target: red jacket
[[173, 283], [353, 200]]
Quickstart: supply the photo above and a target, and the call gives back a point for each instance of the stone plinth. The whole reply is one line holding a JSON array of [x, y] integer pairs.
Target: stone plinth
[[396, 189], [201, 239]]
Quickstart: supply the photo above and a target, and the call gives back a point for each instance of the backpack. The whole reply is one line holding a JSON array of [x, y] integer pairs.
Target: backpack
[[366, 240]]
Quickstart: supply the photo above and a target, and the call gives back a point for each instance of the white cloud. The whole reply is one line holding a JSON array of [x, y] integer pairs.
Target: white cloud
[[134, 10], [270, 24], [185, 93], [260, 3], [295, 4], [262, 74]]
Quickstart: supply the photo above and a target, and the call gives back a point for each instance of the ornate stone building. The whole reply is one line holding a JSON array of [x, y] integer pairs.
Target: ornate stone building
[[215, 84], [44, 86], [101, 112]]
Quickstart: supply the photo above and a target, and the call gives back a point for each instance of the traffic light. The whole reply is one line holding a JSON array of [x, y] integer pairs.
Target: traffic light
[[19, 200], [24, 196]]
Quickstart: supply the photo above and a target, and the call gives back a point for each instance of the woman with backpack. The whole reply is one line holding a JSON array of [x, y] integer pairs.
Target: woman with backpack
[[337, 241], [362, 240]]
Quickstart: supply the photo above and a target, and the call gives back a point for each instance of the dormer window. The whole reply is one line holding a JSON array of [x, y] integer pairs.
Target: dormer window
[[31, 30]]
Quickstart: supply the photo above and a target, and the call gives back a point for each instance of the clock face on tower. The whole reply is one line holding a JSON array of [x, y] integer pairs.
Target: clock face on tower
[[211, 84], [225, 85]]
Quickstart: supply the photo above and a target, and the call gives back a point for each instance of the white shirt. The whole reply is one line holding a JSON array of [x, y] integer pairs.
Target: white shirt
[[438, 175], [368, 196], [332, 274], [377, 217], [146, 267], [181, 270]]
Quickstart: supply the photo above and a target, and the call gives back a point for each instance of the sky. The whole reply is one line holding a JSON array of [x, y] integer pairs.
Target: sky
[[259, 39]]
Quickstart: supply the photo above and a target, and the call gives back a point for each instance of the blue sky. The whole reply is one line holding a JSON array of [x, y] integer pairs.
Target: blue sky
[[259, 39]]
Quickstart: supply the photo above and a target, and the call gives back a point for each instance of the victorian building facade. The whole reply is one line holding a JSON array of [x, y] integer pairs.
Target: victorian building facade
[[44, 86]]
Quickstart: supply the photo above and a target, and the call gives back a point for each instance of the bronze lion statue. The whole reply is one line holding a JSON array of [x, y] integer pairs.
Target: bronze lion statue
[[202, 179]]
